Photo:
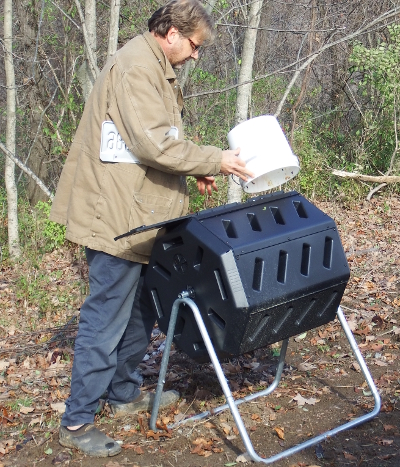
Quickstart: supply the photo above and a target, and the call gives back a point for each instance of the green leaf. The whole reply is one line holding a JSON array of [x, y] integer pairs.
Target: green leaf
[[48, 451]]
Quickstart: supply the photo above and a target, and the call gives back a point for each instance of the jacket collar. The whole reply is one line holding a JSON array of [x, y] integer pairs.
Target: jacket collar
[[160, 55]]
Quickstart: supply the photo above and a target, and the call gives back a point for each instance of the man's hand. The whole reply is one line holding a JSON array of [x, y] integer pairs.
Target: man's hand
[[206, 183], [232, 164]]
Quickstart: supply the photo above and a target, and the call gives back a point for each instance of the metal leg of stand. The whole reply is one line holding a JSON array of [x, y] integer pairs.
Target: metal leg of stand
[[235, 412], [248, 398], [164, 363], [164, 366]]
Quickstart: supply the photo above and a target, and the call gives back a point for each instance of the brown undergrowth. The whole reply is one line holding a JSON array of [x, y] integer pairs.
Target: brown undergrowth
[[320, 389]]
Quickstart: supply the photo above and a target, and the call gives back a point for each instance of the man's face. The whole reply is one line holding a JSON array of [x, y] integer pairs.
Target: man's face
[[184, 49]]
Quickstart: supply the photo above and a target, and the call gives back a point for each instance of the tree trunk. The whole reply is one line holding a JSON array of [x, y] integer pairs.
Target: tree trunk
[[244, 91], [32, 100], [87, 73], [11, 187], [114, 27]]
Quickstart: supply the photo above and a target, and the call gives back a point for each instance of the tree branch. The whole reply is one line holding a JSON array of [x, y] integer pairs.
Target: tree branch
[[27, 170], [66, 15], [375, 190], [293, 81], [308, 59], [291, 31], [367, 178]]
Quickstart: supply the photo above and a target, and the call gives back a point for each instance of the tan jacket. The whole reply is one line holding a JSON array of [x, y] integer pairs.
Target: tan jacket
[[138, 91]]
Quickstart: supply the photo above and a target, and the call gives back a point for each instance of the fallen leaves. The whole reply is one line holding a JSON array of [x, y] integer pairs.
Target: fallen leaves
[[230, 369], [6, 446], [5, 416], [304, 366], [4, 365], [25, 410], [141, 424], [349, 456], [226, 428], [205, 447], [35, 421], [117, 464], [389, 427], [385, 442], [137, 449], [58, 407], [280, 432], [61, 458], [300, 337], [157, 435], [375, 320], [301, 401], [243, 458]]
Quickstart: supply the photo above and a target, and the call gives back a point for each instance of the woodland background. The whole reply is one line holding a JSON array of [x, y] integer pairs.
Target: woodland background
[[329, 70]]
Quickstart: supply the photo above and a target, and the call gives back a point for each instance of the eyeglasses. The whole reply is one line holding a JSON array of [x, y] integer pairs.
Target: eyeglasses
[[195, 48]]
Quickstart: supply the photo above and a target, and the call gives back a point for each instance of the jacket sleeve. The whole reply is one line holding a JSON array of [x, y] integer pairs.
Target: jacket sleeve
[[139, 110]]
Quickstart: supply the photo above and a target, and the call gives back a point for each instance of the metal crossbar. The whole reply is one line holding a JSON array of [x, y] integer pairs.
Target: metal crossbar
[[232, 404]]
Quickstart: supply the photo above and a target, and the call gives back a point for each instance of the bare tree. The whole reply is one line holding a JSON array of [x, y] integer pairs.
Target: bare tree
[[114, 27], [306, 77], [300, 70], [12, 193], [244, 90], [89, 71]]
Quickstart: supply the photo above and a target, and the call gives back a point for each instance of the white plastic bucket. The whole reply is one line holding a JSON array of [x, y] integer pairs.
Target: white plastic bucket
[[266, 151]]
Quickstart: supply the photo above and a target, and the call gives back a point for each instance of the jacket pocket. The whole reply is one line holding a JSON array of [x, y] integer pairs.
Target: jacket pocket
[[147, 209]]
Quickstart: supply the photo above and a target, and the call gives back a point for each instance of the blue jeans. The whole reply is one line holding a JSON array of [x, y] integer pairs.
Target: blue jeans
[[114, 331]]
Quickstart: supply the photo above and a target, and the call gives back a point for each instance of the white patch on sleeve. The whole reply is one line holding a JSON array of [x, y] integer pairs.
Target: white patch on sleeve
[[173, 131], [113, 147]]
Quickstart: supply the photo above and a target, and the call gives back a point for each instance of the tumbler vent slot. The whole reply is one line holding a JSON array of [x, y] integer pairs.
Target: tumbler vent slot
[[305, 260], [162, 271], [254, 224], [282, 266], [198, 346], [173, 243], [328, 248], [327, 305], [301, 212], [157, 303], [198, 258], [229, 228], [215, 318], [220, 283], [261, 326], [300, 319], [179, 326], [281, 322], [277, 215], [258, 274]]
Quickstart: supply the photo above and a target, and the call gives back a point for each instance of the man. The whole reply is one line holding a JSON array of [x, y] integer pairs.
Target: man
[[133, 115]]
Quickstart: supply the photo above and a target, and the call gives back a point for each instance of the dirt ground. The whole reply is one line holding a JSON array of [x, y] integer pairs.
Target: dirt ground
[[321, 387]]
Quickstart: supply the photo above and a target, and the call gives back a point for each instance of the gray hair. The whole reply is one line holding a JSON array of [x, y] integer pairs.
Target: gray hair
[[188, 16]]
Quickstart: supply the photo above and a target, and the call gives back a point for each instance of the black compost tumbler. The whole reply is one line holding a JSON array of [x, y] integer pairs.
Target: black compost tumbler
[[259, 272]]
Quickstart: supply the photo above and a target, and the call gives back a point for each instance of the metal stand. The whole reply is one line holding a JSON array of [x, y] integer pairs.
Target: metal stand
[[232, 404]]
